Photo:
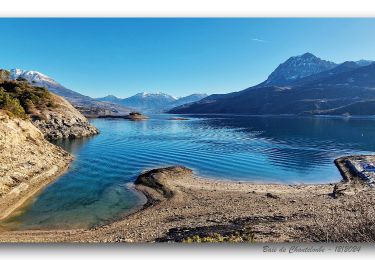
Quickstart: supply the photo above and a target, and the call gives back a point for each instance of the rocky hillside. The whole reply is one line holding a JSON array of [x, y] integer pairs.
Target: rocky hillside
[[27, 162], [64, 122], [53, 115], [298, 67]]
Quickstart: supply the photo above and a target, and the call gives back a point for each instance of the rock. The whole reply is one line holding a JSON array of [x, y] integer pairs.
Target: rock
[[28, 161], [341, 190], [136, 116], [63, 122], [133, 116], [157, 179], [272, 196]]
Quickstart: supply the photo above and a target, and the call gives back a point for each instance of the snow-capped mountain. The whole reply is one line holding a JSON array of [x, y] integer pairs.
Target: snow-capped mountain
[[149, 102], [298, 67], [39, 79], [34, 77], [345, 89], [87, 105], [157, 95], [153, 102]]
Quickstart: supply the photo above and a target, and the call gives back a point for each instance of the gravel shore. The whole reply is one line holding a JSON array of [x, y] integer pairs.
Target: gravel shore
[[181, 205]]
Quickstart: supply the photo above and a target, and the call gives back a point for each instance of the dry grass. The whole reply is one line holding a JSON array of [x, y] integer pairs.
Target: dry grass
[[352, 220]]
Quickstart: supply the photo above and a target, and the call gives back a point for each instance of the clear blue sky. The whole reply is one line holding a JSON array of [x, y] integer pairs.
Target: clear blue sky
[[97, 57]]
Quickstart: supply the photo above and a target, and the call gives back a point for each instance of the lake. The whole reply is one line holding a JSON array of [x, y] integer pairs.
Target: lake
[[98, 186]]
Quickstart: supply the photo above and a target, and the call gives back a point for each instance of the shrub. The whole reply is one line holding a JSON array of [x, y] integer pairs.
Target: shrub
[[11, 105], [21, 99]]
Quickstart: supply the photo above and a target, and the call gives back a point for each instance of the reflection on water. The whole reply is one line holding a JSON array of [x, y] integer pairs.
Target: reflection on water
[[72, 146], [97, 187]]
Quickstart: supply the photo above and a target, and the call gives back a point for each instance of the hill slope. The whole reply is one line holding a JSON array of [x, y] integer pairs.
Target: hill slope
[[348, 88], [27, 162], [52, 114], [85, 104]]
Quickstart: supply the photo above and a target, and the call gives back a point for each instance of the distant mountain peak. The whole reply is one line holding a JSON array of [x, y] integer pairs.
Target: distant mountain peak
[[110, 96], [154, 95], [364, 62], [141, 94], [298, 67], [83, 103], [153, 102], [345, 89], [307, 55], [32, 76]]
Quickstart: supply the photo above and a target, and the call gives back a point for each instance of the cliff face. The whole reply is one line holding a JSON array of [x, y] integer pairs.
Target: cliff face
[[27, 162], [63, 121]]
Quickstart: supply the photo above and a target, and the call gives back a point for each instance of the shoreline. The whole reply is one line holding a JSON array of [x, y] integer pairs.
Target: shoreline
[[180, 205], [28, 163], [34, 186], [280, 115]]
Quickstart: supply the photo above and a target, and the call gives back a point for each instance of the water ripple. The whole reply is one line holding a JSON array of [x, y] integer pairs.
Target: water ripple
[[262, 149]]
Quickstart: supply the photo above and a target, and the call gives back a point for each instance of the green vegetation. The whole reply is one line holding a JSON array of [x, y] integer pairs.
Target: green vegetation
[[11, 105], [18, 98]]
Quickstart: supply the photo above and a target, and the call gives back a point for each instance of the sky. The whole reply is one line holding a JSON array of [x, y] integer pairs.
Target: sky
[[97, 57]]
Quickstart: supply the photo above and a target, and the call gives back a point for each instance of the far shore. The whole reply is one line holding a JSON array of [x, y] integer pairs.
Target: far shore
[[133, 116], [181, 205], [281, 115]]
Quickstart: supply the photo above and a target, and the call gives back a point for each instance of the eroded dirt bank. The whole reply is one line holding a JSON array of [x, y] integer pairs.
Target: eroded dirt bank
[[28, 162]]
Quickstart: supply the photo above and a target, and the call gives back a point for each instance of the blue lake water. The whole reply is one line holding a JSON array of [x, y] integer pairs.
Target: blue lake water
[[98, 186]]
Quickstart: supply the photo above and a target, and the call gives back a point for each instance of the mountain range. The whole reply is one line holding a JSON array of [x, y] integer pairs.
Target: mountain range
[[301, 85], [85, 104], [109, 105], [152, 102]]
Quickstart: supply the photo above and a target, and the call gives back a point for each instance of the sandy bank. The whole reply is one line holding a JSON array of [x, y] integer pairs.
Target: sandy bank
[[181, 205]]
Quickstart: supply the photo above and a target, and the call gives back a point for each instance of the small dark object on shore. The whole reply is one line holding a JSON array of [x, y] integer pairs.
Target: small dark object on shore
[[270, 195]]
